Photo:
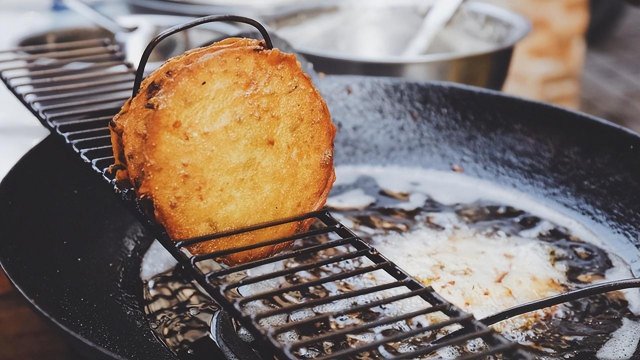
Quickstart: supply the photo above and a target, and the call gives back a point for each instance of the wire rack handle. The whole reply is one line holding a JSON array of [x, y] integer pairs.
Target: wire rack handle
[[199, 21]]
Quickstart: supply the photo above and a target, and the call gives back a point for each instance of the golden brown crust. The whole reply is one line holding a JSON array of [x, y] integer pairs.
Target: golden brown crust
[[131, 127], [226, 137]]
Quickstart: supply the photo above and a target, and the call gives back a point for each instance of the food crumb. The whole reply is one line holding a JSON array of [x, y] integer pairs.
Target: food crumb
[[501, 277]]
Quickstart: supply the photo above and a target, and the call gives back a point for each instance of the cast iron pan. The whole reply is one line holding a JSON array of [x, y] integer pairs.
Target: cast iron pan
[[74, 251]]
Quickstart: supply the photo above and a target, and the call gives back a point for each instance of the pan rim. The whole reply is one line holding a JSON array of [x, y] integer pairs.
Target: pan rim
[[498, 93], [72, 335]]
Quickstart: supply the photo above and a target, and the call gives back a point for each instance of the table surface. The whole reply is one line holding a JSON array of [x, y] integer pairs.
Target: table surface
[[24, 335], [611, 89], [611, 80]]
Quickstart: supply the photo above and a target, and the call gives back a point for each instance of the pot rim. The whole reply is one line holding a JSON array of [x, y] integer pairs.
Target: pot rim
[[521, 28]]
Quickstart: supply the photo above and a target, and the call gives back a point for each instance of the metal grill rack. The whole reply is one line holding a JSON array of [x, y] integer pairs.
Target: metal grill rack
[[325, 278], [74, 88]]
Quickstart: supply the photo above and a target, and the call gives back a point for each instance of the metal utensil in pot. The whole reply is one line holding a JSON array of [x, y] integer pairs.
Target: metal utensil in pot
[[368, 39], [135, 31]]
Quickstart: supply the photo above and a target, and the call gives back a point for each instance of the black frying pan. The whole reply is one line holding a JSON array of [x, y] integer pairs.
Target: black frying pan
[[74, 251]]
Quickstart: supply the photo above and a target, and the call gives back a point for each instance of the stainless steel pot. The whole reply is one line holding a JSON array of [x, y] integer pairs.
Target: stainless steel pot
[[368, 38]]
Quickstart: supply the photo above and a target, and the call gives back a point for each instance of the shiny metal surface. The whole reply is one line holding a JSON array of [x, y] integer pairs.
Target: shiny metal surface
[[134, 42], [475, 48], [354, 37], [104, 21], [436, 19], [254, 8]]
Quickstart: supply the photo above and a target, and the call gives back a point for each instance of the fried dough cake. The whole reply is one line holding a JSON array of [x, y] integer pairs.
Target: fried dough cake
[[225, 137]]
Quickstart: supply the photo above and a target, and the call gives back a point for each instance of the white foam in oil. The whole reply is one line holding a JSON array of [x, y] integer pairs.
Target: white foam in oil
[[623, 342], [155, 261], [354, 199], [482, 274], [452, 188]]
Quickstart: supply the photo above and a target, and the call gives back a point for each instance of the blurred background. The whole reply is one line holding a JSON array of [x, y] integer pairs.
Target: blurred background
[[578, 54]]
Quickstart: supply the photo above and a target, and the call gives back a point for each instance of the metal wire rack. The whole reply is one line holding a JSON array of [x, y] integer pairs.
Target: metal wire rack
[[312, 300]]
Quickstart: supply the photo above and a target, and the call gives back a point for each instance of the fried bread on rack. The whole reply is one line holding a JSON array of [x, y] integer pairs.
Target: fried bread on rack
[[225, 137]]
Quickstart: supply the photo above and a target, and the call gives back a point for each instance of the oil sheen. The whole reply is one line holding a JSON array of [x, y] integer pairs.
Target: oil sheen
[[482, 247]]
